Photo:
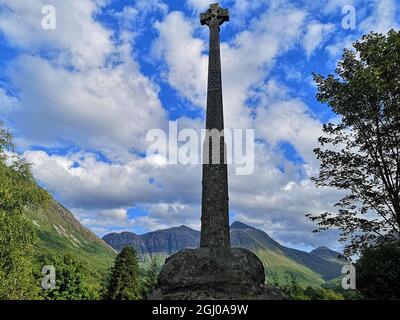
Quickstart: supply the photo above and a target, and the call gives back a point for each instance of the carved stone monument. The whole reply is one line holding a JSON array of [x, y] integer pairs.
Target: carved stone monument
[[215, 270], [214, 209]]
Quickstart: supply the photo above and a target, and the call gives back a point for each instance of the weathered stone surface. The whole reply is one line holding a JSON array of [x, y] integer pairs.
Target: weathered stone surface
[[215, 202], [213, 273]]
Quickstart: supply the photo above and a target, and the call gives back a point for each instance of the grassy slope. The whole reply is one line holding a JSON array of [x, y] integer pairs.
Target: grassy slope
[[61, 233], [275, 259], [283, 267]]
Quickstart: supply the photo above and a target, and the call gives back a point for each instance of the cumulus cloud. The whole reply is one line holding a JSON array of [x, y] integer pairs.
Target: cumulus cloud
[[200, 4], [7, 102], [281, 118], [316, 33], [91, 183], [186, 63], [383, 17], [250, 54], [76, 96], [109, 109], [373, 15], [78, 39], [117, 214]]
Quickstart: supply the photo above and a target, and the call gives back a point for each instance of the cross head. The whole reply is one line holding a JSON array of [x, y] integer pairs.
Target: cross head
[[214, 12]]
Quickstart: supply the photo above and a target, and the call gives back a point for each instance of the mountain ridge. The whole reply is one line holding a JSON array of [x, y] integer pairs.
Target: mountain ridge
[[317, 267]]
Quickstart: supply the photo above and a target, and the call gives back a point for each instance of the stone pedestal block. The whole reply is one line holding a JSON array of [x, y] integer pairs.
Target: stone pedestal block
[[213, 273]]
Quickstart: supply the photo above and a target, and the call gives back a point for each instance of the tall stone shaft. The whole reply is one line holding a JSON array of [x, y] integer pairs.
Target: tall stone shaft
[[215, 208]]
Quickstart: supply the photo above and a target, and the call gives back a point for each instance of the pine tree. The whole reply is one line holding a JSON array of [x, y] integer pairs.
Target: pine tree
[[152, 273], [124, 283]]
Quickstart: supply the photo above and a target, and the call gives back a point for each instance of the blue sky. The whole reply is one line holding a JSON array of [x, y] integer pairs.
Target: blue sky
[[81, 98]]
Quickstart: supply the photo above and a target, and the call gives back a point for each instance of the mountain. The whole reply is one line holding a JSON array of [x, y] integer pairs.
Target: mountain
[[60, 233], [259, 242], [314, 268], [166, 241], [327, 254], [123, 239]]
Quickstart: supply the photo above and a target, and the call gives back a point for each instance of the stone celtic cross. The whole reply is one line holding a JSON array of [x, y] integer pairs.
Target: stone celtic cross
[[215, 208], [213, 271]]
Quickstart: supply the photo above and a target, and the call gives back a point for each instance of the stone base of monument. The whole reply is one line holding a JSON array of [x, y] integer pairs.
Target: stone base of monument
[[213, 273]]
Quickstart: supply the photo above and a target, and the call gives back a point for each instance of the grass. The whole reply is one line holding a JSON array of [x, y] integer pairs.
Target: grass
[[283, 268]]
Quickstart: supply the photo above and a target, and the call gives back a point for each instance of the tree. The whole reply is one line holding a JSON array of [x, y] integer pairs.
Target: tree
[[17, 237], [152, 273], [70, 280], [18, 191], [293, 289], [360, 154], [378, 272], [272, 277], [124, 283]]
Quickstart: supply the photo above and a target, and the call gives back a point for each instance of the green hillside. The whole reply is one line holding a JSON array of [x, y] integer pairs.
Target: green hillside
[[61, 233], [281, 263], [279, 268]]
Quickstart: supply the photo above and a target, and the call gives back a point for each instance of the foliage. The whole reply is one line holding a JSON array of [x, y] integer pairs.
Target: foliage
[[18, 191], [272, 277], [360, 154], [152, 273], [322, 294], [347, 294], [294, 291], [17, 236], [378, 271], [70, 280], [125, 282]]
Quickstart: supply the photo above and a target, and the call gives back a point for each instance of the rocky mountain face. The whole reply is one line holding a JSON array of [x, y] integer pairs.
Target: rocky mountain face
[[316, 267], [166, 241]]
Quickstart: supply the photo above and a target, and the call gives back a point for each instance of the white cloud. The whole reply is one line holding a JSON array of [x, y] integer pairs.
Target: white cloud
[[276, 200], [120, 214], [200, 4], [187, 65], [270, 198], [78, 39], [74, 96], [7, 102], [93, 184], [245, 60], [140, 14], [316, 34], [108, 109], [165, 215], [284, 119], [374, 15], [383, 17]]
